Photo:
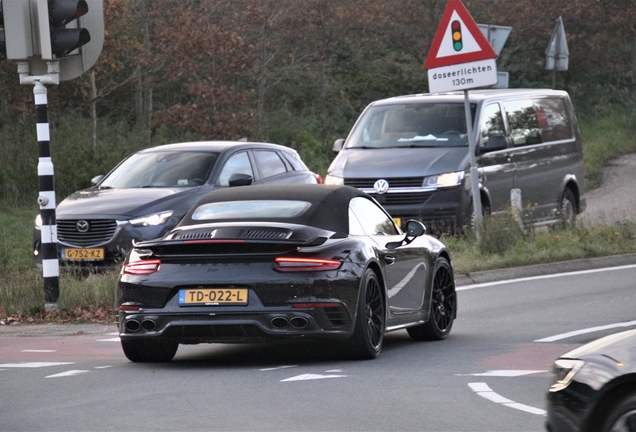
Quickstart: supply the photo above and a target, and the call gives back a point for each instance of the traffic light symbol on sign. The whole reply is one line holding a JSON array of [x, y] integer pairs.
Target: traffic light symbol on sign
[[456, 30], [65, 40]]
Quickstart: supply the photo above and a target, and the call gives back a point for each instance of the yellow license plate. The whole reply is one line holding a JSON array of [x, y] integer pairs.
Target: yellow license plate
[[213, 296], [398, 221], [83, 254]]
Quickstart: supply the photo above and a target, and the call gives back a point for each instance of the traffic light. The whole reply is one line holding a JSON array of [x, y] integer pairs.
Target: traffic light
[[456, 29], [65, 40], [63, 26]]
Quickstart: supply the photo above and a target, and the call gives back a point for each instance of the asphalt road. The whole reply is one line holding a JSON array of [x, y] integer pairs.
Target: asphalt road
[[490, 375]]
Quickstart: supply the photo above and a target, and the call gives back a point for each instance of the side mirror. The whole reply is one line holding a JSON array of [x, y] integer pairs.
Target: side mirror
[[237, 179], [96, 180], [415, 228], [337, 145], [494, 143]]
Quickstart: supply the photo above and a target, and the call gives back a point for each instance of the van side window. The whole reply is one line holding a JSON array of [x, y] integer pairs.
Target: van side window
[[491, 123], [553, 119], [524, 123]]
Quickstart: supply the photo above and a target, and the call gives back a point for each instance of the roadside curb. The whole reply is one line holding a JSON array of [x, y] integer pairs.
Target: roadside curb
[[544, 269], [39, 330]]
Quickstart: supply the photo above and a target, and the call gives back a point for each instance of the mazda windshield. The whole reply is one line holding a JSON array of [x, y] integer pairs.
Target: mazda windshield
[[162, 169]]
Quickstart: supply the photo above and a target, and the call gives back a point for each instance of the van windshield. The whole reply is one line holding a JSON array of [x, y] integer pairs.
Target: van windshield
[[412, 125]]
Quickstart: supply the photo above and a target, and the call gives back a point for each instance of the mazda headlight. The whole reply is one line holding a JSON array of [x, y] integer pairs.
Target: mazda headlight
[[444, 180], [151, 220]]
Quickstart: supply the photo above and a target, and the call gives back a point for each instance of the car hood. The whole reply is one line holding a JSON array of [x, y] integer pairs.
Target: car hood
[[398, 162], [619, 346], [126, 203]]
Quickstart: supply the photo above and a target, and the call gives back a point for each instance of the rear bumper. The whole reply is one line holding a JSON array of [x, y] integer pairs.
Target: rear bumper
[[263, 326]]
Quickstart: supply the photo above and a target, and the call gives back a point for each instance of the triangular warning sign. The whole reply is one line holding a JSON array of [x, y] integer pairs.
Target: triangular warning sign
[[458, 39]]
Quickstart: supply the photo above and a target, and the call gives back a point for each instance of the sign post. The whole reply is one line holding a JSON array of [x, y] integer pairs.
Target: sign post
[[461, 58]]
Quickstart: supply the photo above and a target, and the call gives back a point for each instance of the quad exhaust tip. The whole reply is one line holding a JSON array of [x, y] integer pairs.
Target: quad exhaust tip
[[133, 325]]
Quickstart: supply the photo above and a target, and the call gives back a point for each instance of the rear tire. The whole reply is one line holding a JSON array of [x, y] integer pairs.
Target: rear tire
[[443, 305], [567, 209], [368, 333], [149, 351]]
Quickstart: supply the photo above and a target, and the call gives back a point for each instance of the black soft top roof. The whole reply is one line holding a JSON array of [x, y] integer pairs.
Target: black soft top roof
[[329, 208]]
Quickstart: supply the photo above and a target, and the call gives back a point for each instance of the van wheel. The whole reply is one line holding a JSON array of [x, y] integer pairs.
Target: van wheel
[[567, 209]]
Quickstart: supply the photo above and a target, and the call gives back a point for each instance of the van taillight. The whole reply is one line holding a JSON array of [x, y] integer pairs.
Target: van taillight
[[144, 267], [292, 264]]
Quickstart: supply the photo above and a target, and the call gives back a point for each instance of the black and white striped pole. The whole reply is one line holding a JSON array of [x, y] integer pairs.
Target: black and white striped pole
[[46, 200], [46, 197]]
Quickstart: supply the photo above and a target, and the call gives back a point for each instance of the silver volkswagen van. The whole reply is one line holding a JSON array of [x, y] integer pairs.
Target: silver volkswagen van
[[411, 154]]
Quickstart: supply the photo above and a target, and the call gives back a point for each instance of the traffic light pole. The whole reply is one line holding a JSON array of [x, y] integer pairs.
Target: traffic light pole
[[46, 198]]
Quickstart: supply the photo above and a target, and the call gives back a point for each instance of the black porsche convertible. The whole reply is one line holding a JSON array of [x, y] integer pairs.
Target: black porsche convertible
[[278, 262]]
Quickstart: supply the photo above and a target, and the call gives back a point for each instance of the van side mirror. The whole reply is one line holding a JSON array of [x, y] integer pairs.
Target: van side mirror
[[494, 143], [238, 179], [96, 180], [337, 145]]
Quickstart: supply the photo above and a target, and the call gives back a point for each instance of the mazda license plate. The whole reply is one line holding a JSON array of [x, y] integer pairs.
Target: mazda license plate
[[75, 254]]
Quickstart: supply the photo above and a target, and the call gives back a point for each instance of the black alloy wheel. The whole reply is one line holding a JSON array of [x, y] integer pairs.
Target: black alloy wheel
[[368, 334], [149, 351], [443, 305], [622, 417]]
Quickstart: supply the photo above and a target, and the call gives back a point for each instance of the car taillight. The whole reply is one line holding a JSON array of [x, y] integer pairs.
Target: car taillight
[[318, 178], [291, 264], [144, 267]]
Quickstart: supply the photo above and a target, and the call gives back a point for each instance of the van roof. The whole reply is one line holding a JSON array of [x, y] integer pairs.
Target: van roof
[[477, 95]]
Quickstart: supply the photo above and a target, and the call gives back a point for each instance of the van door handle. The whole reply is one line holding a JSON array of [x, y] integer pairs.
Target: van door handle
[[389, 259]]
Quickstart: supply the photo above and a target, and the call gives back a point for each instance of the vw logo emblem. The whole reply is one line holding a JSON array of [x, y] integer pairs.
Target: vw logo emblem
[[381, 186], [82, 226]]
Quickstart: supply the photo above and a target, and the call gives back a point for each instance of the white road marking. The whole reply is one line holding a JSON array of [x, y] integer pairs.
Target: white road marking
[[117, 339], [585, 331], [505, 373], [34, 364], [306, 377], [532, 278], [102, 367], [38, 351], [277, 368], [486, 392], [67, 374], [334, 370]]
